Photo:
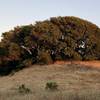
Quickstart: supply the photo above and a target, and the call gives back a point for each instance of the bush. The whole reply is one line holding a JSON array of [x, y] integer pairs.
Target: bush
[[7, 67], [51, 85], [27, 62], [44, 58], [5, 70], [23, 89]]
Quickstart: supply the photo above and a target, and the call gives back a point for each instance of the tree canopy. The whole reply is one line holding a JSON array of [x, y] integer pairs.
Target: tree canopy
[[59, 38]]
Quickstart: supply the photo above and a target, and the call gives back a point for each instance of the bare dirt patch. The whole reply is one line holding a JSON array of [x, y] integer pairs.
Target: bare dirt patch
[[94, 64]]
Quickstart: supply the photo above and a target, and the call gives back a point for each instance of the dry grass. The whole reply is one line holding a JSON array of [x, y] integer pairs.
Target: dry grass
[[75, 82]]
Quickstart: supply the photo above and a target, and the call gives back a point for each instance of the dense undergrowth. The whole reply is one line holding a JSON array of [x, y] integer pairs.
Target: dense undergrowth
[[61, 38]]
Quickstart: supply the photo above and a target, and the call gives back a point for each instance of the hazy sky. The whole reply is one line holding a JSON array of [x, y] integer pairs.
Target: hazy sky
[[20, 12]]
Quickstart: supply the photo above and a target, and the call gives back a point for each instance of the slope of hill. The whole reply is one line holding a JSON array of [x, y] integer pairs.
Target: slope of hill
[[61, 38], [75, 82]]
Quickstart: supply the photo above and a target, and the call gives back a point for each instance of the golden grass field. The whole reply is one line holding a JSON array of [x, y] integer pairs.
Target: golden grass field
[[76, 81]]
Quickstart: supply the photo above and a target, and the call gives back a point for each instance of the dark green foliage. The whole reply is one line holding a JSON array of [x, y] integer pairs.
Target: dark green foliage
[[3, 52], [62, 38], [8, 66]]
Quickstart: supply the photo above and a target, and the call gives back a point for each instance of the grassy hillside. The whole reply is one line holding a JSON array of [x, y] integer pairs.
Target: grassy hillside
[[61, 38], [74, 82]]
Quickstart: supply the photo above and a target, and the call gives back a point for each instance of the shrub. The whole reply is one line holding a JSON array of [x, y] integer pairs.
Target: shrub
[[8, 66], [23, 89], [44, 58], [51, 85], [27, 62]]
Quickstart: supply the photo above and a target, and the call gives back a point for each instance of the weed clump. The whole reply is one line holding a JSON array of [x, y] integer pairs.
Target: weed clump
[[51, 86], [23, 89]]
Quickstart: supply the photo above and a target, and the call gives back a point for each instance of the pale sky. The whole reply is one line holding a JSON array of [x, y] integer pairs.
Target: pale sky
[[21, 12]]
